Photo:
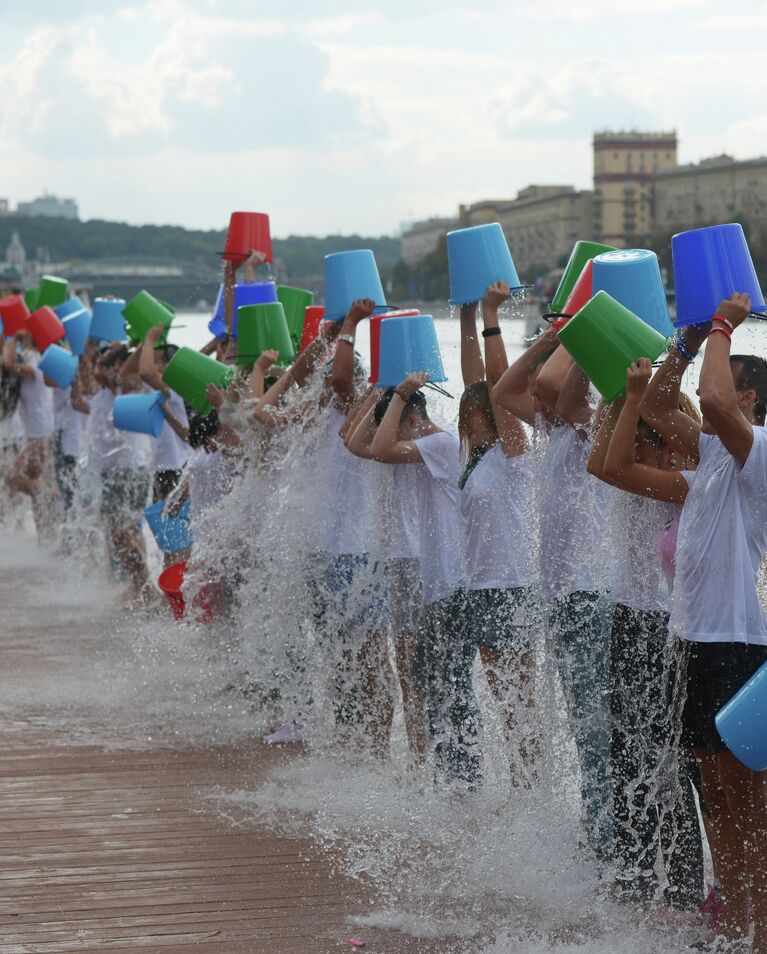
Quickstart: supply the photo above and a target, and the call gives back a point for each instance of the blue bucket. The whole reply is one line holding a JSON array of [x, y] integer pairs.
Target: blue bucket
[[632, 277], [245, 293], [108, 323], [171, 533], [742, 723], [709, 266], [59, 365], [70, 307], [140, 413], [349, 276], [477, 258], [408, 344], [77, 327]]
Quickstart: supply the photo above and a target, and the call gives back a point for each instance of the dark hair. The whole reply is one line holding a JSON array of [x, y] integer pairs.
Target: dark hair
[[476, 397], [168, 351], [113, 355], [201, 427], [415, 404], [753, 375]]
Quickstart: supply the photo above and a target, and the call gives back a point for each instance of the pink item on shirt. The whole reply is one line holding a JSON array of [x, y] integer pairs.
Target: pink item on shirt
[[665, 540]]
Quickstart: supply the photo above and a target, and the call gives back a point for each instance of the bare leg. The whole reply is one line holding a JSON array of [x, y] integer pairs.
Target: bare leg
[[376, 690], [130, 548], [415, 717], [512, 681]]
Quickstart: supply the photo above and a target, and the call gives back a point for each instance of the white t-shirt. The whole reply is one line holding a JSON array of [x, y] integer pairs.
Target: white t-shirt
[[638, 580], [497, 504], [61, 399], [722, 541], [400, 511], [114, 449], [170, 452], [36, 406], [573, 545], [73, 425], [442, 536]]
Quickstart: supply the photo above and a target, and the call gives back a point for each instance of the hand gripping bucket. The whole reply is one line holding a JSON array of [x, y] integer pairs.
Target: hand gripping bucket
[[108, 323], [477, 258], [59, 365], [605, 338], [409, 344], [375, 338], [710, 265], [742, 723], [46, 327], [582, 253], [312, 320], [52, 291], [263, 328], [171, 532], [245, 293], [70, 307], [189, 373], [349, 276], [632, 277], [295, 301], [247, 230], [171, 582], [14, 313], [77, 326], [140, 413], [143, 312]]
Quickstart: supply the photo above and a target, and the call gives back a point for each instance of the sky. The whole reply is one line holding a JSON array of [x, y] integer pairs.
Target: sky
[[341, 117]]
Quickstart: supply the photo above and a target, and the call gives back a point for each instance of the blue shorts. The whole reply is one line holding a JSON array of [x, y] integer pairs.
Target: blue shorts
[[356, 592]]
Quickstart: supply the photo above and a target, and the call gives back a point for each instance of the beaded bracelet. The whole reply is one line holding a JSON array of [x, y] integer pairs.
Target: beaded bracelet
[[685, 352]]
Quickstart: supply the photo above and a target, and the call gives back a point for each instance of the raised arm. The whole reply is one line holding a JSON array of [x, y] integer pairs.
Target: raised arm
[[472, 368], [386, 446], [258, 373], [718, 397], [573, 400], [552, 376], [128, 378], [359, 440], [660, 405], [496, 361], [621, 466], [343, 361], [12, 365], [606, 419], [513, 392], [147, 363]]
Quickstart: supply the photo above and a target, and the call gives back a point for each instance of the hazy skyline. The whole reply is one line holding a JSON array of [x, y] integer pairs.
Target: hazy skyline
[[332, 120]]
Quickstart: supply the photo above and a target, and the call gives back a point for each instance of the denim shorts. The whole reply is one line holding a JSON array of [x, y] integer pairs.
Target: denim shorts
[[507, 620], [356, 592]]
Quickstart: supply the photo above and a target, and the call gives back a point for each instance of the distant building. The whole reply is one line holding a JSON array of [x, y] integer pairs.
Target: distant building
[[49, 205], [422, 237], [15, 253], [5, 207], [625, 165], [712, 191]]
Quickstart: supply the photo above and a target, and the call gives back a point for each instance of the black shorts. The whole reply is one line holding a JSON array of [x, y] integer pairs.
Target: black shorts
[[715, 672], [164, 483]]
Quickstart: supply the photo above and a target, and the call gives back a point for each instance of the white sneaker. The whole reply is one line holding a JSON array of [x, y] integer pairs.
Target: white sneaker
[[285, 734]]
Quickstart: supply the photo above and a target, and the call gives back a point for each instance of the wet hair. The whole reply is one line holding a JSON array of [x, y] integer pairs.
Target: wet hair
[[476, 397], [753, 375], [415, 404], [202, 427], [113, 355], [167, 351]]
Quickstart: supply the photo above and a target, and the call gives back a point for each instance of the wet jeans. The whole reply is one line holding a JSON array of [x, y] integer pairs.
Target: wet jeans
[[579, 628]]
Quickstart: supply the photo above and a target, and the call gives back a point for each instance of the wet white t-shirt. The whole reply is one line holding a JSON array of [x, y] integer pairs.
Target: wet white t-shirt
[[170, 451], [442, 533], [73, 425], [114, 449], [722, 542], [497, 503], [36, 407]]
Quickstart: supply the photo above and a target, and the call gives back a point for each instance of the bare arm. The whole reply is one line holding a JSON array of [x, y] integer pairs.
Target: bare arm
[[12, 365], [343, 361], [210, 348], [573, 401], [512, 392], [718, 397], [496, 361], [359, 438], [258, 374], [386, 446], [175, 424], [472, 367], [147, 362], [552, 376], [128, 378], [607, 417]]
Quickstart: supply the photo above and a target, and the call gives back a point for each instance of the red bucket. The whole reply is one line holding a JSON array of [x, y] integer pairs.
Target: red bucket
[[170, 582], [46, 327], [582, 291], [312, 320], [375, 338], [248, 230], [14, 313]]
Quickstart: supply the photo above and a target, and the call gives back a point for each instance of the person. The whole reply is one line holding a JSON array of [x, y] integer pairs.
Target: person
[[497, 504], [653, 781], [715, 604], [445, 648]]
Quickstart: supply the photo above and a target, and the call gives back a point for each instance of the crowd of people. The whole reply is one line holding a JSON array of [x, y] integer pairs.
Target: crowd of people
[[621, 541]]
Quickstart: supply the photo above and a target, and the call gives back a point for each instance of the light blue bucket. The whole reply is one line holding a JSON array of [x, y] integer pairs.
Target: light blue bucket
[[108, 323], [70, 307], [742, 723], [171, 533], [409, 344], [140, 413], [245, 293], [349, 276], [77, 328], [632, 277], [59, 365], [477, 258]]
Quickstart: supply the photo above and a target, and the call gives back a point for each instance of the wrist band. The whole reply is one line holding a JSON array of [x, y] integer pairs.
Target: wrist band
[[722, 331], [725, 321], [685, 352], [490, 332], [399, 394]]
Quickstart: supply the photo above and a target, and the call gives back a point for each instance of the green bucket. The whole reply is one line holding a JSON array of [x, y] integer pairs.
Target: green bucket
[[605, 339], [262, 328], [582, 252], [295, 301], [143, 312], [52, 291], [189, 373], [30, 297]]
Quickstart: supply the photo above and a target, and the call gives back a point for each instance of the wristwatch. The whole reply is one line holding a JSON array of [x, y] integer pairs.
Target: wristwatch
[[349, 339]]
